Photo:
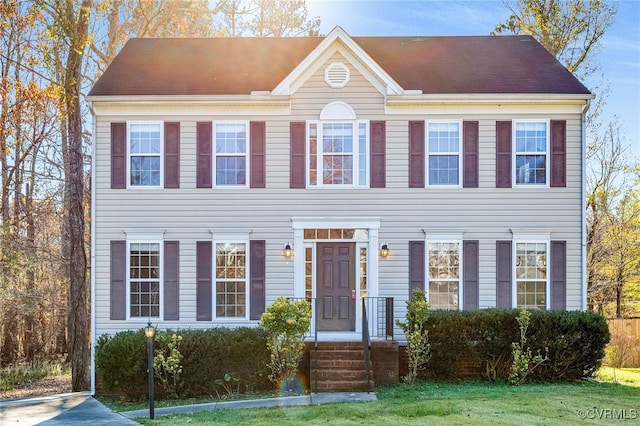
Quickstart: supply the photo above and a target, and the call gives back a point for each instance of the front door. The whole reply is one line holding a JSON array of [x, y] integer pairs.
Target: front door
[[336, 286]]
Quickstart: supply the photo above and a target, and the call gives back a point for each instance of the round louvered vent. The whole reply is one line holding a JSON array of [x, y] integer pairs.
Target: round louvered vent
[[337, 75]]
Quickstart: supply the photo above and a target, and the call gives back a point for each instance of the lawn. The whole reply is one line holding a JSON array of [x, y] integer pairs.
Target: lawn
[[465, 403]]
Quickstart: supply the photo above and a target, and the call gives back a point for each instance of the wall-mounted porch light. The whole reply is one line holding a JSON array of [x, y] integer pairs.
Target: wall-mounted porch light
[[287, 250], [384, 250]]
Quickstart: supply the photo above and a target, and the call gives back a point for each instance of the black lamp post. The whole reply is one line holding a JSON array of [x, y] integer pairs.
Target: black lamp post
[[150, 332]]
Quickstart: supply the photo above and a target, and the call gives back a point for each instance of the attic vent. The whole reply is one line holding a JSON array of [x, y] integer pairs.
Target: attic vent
[[337, 75]]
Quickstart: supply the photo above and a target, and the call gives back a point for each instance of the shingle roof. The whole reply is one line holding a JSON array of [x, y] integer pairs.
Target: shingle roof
[[230, 66]]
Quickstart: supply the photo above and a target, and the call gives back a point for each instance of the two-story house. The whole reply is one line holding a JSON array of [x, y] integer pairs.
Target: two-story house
[[230, 171]]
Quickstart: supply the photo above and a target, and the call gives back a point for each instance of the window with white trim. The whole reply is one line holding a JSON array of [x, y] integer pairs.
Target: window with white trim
[[144, 279], [443, 150], [231, 159], [531, 146], [443, 274], [531, 275], [230, 297], [144, 148], [338, 153]]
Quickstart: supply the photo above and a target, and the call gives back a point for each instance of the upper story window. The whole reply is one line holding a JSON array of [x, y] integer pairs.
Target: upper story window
[[443, 274], [531, 146], [531, 275], [443, 147], [144, 279], [338, 148], [144, 148], [230, 141]]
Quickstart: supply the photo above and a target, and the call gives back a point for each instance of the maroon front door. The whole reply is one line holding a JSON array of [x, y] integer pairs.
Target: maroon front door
[[336, 286]]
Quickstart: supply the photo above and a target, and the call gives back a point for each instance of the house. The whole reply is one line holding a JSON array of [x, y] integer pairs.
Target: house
[[230, 171]]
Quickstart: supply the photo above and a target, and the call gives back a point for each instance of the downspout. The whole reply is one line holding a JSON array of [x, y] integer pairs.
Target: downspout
[[93, 251], [583, 201]]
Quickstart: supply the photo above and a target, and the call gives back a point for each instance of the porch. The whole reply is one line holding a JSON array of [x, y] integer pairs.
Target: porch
[[353, 361]]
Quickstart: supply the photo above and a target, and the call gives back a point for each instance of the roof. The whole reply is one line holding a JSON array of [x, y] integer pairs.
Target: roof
[[238, 66]]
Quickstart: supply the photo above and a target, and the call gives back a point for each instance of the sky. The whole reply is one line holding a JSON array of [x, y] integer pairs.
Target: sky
[[619, 56]]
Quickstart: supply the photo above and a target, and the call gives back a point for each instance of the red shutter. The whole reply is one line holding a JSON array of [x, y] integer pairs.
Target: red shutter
[[297, 171], [118, 280], [204, 154], [558, 153], [470, 288], [257, 279], [118, 155], [558, 275], [377, 152], [416, 154], [172, 155], [258, 154], [503, 275], [470, 154], [204, 309], [171, 280], [503, 154], [416, 266]]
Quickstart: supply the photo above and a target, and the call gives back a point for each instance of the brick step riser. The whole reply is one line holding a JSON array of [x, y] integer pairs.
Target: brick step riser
[[339, 346], [344, 387], [340, 375], [338, 364], [335, 355]]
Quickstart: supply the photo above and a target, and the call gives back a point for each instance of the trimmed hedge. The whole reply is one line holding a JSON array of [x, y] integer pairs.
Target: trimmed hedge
[[574, 342], [121, 361]]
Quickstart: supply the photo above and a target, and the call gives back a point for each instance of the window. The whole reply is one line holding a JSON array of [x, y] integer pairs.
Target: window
[[531, 142], [443, 147], [444, 275], [337, 154], [230, 279], [231, 154], [144, 279], [145, 148], [531, 275]]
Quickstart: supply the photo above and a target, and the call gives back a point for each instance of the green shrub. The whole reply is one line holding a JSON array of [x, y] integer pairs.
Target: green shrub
[[207, 355], [417, 334], [286, 323], [573, 341], [121, 364]]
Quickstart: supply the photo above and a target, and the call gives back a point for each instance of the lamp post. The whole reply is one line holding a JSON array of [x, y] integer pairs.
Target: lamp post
[[150, 332]]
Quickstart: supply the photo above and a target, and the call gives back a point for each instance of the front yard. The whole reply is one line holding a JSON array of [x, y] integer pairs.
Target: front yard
[[477, 403]]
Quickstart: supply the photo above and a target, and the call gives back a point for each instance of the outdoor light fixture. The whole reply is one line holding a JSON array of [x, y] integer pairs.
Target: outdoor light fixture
[[287, 250], [384, 250], [150, 332]]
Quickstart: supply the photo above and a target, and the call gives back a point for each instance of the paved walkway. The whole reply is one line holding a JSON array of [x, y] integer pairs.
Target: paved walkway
[[80, 408]]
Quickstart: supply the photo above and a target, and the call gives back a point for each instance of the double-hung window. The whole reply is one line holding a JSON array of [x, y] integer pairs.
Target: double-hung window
[[338, 153], [443, 147], [443, 274], [144, 279], [231, 160], [145, 145], [231, 279], [531, 152], [531, 275]]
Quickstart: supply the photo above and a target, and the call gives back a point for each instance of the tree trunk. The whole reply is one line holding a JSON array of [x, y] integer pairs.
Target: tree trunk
[[78, 294]]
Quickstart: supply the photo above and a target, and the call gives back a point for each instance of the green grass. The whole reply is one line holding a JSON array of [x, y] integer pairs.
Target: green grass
[[624, 376], [15, 377], [476, 403]]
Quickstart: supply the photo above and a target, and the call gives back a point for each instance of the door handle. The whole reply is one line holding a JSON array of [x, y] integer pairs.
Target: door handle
[[353, 294]]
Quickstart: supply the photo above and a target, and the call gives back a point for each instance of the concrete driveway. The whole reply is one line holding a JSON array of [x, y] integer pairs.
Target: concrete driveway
[[77, 408]]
